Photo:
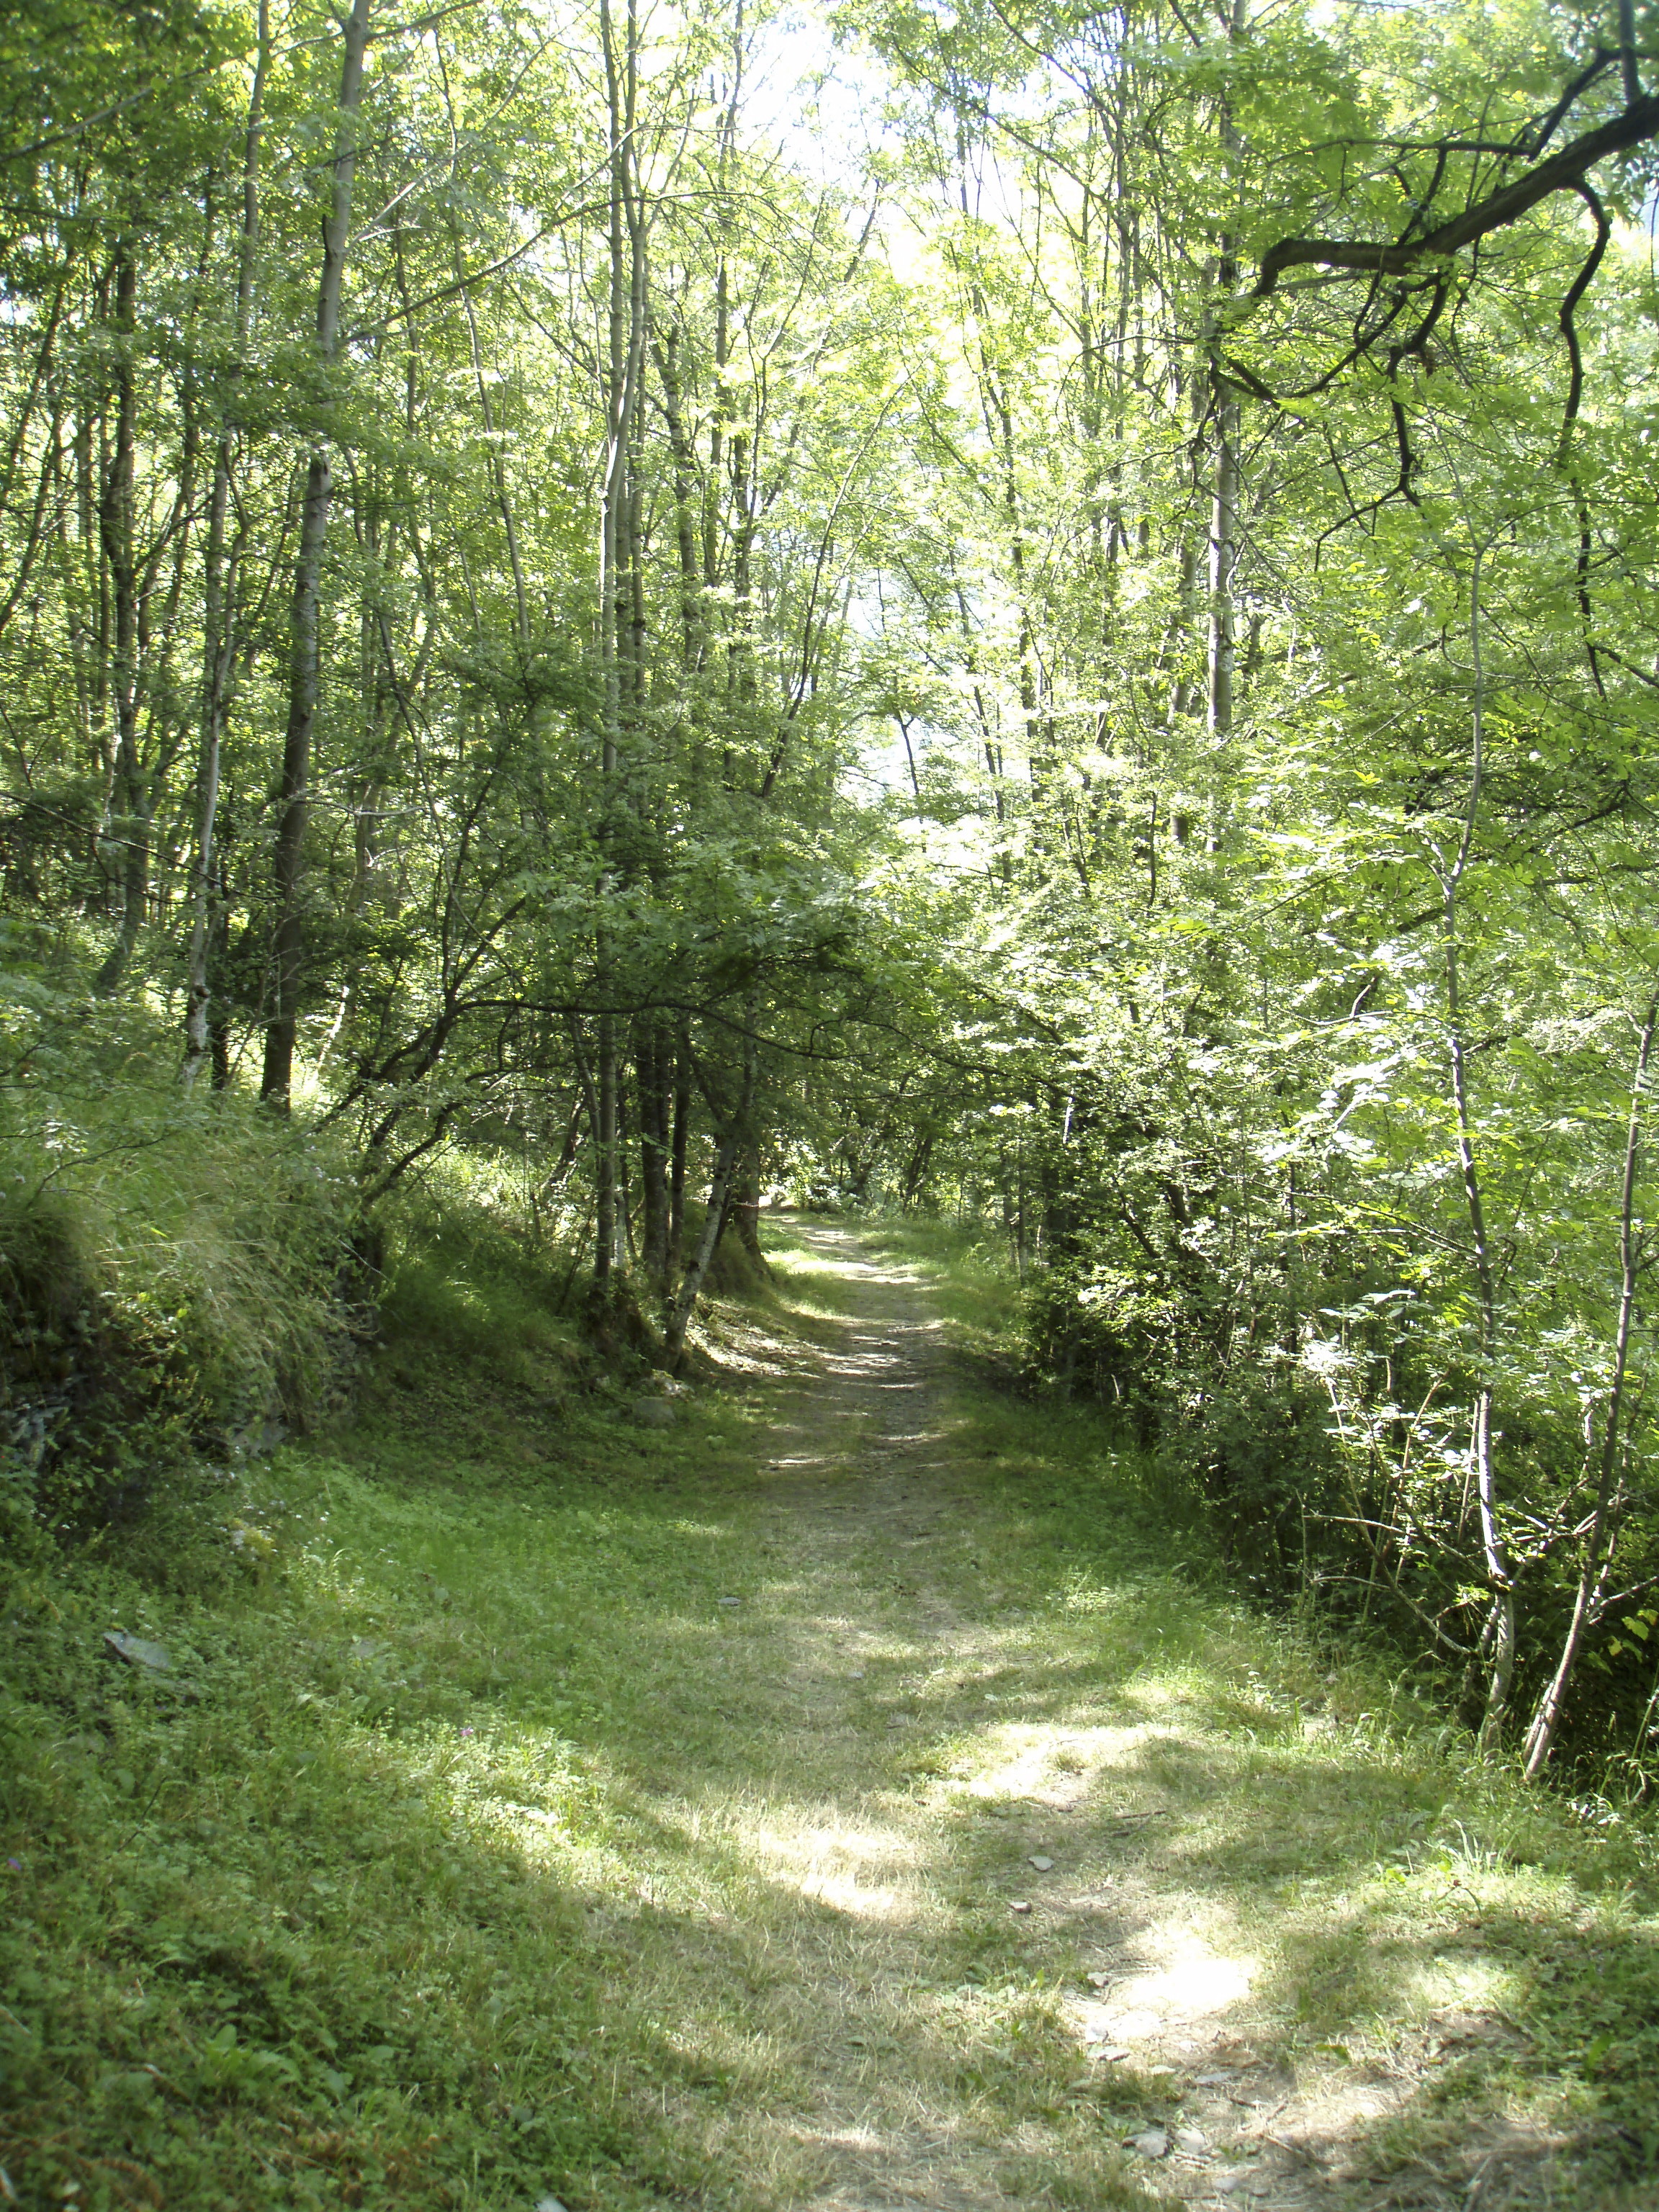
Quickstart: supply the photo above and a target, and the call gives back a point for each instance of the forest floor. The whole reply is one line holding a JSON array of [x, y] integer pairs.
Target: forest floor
[[841, 1784]]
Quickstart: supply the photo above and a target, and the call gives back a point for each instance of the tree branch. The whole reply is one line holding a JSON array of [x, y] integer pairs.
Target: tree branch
[[1563, 172]]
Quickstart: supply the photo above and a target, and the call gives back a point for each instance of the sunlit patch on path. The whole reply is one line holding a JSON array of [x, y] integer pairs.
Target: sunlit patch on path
[[1013, 1847]]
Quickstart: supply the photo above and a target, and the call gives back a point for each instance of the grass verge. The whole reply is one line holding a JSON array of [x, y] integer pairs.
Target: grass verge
[[539, 1802]]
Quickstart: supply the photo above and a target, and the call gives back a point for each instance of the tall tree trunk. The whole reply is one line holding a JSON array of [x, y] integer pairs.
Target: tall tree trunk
[[745, 1208], [1224, 552], [219, 625], [626, 339], [129, 824], [1501, 1630], [651, 1065], [305, 664], [1224, 524], [679, 1146], [1599, 1543], [735, 1136]]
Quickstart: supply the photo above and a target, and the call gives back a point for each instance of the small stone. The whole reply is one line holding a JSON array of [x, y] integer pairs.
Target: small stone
[[1151, 2142], [136, 1651], [1042, 1864], [653, 1414], [1193, 2141], [1217, 2080], [549, 2204], [731, 1601], [1100, 1979], [1019, 1904]]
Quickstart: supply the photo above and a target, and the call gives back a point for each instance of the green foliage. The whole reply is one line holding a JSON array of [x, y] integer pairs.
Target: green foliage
[[1106, 687], [465, 1281], [171, 1271], [1275, 663]]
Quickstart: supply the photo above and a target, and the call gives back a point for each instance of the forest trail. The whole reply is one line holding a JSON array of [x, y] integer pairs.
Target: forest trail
[[1023, 1885], [836, 1785]]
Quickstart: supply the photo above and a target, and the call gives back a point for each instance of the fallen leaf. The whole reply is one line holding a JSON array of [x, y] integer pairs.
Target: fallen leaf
[[138, 1651]]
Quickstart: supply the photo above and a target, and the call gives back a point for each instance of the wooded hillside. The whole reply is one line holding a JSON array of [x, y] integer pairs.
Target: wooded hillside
[[1058, 623]]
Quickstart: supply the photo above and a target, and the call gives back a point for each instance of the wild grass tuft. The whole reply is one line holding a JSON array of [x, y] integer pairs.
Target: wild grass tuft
[[169, 1270]]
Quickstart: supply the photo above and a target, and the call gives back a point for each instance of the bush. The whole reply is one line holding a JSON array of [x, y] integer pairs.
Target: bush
[[464, 1270], [169, 1271]]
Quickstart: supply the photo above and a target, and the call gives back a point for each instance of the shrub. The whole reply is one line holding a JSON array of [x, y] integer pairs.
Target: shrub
[[169, 1271]]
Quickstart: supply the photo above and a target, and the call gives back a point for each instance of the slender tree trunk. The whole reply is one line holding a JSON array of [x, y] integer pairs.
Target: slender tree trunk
[[37, 532], [1223, 549], [605, 1160], [1598, 1545], [497, 462], [1178, 638], [1501, 1620], [219, 624], [218, 952], [305, 664], [745, 1208], [1224, 524], [626, 338], [130, 823], [680, 1307], [667, 358], [650, 1068], [624, 1256], [681, 1142]]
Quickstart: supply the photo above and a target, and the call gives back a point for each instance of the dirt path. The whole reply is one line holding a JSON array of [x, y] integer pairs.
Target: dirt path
[[829, 1789], [1003, 1853]]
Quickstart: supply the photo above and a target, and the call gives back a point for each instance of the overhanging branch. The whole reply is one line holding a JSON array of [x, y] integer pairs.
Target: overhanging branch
[[1562, 172]]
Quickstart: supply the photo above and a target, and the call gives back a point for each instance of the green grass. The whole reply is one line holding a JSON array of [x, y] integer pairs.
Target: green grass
[[485, 1852]]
